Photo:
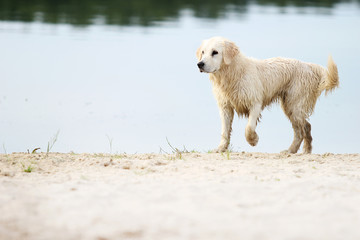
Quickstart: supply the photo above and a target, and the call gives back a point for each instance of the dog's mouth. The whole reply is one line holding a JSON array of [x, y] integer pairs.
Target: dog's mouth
[[202, 70]]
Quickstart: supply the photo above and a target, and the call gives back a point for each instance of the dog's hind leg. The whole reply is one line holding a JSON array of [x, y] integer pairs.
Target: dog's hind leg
[[298, 136], [300, 126], [250, 134], [307, 138]]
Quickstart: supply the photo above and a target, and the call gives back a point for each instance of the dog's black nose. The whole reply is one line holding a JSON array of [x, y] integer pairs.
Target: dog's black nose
[[201, 65]]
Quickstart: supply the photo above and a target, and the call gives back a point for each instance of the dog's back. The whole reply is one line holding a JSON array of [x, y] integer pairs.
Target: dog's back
[[284, 76]]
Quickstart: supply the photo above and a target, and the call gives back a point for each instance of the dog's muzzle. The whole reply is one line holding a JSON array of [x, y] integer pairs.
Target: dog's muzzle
[[201, 66]]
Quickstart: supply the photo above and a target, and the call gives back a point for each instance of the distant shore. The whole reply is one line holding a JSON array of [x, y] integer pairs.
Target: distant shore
[[179, 196]]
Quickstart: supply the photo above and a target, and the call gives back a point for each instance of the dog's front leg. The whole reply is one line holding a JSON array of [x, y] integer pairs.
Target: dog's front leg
[[250, 134], [227, 116]]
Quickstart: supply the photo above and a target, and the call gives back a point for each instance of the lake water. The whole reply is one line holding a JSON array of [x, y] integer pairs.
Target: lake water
[[123, 77]]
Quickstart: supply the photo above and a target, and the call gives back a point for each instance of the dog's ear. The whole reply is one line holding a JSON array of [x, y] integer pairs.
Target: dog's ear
[[230, 51], [198, 51]]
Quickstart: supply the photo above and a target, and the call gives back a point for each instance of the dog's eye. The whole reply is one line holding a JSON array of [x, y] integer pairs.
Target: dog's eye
[[214, 53]]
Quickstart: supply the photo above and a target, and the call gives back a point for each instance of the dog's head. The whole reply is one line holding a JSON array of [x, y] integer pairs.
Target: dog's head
[[215, 52]]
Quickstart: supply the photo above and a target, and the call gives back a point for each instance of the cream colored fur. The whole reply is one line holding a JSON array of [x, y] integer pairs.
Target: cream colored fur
[[247, 85]]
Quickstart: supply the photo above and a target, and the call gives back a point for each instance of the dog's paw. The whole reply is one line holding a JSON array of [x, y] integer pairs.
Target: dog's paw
[[306, 151], [251, 137], [285, 152], [220, 149], [307, 148], [288, 151]]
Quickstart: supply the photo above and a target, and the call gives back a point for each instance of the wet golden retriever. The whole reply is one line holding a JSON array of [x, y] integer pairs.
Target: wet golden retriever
[[247, 85]]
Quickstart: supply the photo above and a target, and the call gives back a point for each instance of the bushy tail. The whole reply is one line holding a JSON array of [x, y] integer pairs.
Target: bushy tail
[[331, 80]]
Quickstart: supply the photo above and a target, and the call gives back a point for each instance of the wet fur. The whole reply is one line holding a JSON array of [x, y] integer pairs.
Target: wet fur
[[247, 85]]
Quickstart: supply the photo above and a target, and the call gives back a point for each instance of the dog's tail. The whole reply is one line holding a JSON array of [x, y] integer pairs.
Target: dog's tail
[[331, 79]]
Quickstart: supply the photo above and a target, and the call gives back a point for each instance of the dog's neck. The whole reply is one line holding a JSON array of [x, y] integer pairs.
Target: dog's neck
[[230, 72]]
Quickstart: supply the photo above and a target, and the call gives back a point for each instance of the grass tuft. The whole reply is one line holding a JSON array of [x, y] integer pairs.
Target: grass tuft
[[228, 155], [110, 143], [52, 142], [4, 148], [27, 169], [34, 151], [179, 153]]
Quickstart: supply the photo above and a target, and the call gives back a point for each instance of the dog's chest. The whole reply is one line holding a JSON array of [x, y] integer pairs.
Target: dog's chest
[[233, 94]]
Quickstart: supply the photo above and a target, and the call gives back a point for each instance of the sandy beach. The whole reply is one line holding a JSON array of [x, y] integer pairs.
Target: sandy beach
[[179, 196]]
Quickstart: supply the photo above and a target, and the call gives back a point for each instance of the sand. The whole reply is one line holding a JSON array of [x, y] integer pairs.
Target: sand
[[188, 196]]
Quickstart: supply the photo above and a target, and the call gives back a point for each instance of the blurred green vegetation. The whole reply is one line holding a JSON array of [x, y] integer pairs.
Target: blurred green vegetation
[[131, 12]]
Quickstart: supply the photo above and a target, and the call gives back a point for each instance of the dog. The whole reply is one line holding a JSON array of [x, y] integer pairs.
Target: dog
[[246, 86]]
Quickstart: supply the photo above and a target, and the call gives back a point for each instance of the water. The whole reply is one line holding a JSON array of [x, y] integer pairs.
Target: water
[[122, 77]]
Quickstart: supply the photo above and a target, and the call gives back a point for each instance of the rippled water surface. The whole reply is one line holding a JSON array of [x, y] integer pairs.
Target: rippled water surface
[[121, 76]]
